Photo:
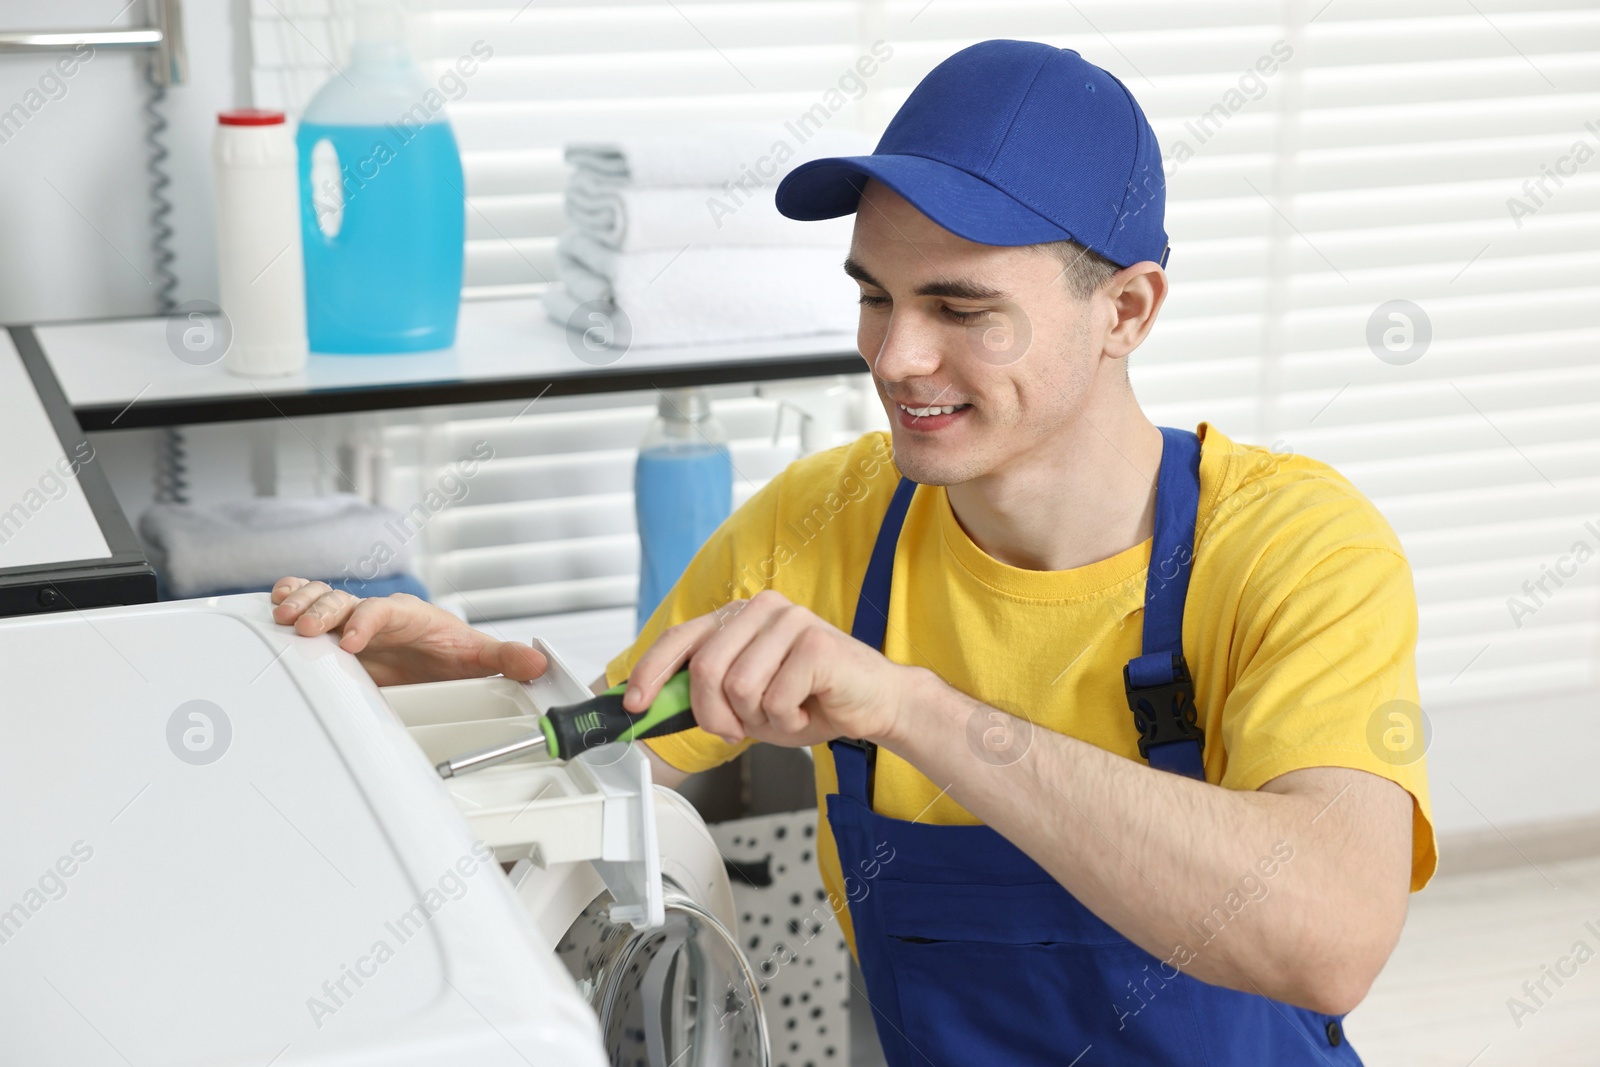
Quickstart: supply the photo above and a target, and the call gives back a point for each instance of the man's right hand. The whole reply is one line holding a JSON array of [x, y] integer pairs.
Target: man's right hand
[[400, 638]]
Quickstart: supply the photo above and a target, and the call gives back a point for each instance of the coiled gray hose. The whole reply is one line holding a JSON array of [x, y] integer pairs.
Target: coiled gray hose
[[172, 471]]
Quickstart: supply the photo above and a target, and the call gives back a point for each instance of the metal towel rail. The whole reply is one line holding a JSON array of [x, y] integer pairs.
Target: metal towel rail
[[171, 65]]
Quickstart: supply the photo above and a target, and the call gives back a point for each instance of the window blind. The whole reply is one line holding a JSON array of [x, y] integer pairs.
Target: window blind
[[1384, 219], [543, 521]]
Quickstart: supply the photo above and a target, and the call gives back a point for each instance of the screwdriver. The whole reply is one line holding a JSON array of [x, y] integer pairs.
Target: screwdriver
[[573, 729]]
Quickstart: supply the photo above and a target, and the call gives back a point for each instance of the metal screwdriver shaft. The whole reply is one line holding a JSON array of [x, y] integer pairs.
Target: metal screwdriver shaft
[[492, 756], [573, 729]]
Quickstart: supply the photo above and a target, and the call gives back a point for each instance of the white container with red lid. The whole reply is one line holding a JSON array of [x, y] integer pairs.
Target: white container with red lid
[[260, 272]]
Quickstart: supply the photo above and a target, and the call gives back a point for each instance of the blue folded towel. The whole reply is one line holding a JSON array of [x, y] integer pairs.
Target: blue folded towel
[[395, 583], [249, 544]]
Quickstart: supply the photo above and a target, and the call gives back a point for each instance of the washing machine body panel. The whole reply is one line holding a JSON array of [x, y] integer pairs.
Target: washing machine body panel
[[225, 847]]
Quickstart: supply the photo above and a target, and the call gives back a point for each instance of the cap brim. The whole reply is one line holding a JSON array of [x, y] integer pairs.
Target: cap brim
[[968, 207]]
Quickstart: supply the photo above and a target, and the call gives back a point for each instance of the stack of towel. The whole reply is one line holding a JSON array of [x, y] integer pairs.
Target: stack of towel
[[681, 234], [245, 546]]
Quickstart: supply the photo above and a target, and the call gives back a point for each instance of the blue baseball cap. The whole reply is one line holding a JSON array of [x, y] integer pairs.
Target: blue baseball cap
[[1010, 143]]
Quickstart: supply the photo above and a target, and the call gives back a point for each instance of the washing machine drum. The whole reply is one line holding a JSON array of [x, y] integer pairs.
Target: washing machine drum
[[677, 995]]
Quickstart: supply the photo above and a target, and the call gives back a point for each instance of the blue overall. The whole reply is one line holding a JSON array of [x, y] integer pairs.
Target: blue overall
[[974, 954]]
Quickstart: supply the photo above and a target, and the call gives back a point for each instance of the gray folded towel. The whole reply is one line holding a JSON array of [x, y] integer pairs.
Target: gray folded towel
[[245, 543]]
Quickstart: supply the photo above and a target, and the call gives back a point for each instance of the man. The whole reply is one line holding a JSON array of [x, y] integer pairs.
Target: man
[[958, 618]]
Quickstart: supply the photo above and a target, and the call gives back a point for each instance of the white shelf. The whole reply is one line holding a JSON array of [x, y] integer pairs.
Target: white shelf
[[122, 373]]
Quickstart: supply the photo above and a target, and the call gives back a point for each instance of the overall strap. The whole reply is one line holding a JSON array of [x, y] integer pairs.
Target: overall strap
[[1160, 690], [853, 760], [872, 609]]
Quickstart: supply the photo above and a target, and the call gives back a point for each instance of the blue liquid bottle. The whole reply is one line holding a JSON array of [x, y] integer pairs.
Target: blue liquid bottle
[[683, 490], [382, 202]]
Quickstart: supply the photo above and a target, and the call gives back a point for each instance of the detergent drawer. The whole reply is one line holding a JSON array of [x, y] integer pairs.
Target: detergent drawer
[[598, 808]]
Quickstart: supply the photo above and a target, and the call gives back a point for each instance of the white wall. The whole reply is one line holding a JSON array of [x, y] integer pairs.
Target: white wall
[[75, 202]]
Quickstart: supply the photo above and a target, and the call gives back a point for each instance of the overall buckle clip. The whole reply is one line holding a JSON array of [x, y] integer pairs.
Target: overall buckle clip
[[1164, 712], [870, 750]]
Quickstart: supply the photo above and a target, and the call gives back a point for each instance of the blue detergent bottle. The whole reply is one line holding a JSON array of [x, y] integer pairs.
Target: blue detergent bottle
[[682, 488], [381, 201]]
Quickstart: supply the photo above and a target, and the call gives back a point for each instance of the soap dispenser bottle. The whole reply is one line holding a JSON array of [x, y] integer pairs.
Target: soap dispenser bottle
[[683, 490]]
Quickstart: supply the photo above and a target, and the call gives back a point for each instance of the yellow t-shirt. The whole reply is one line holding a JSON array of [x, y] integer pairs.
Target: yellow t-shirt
[[1300, 622]]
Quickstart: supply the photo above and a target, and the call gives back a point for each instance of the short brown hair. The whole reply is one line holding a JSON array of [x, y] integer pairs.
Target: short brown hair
[[1084, 270]]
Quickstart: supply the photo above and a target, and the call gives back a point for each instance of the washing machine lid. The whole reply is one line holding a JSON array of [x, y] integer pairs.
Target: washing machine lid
[[222, 847]]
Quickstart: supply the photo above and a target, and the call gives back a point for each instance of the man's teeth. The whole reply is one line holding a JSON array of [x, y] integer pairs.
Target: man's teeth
[[924, 412]]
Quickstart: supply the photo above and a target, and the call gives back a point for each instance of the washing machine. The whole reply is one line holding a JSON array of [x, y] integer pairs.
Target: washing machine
[[226, 845], [620, 876]]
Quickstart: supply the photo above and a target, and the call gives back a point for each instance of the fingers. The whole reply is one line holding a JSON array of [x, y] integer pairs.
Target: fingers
[[286, 586], [364, 621], [741, 622], [747, 683], [293, 596], [417, 638], [512, 659], [662, 659], [313, 607], [795, 680]]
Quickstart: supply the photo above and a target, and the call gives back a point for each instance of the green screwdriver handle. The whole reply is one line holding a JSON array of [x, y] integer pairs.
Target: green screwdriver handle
[[576, 728]]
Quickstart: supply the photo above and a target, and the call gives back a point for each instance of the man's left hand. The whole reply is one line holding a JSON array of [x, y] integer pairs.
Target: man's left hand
[[769, 669]]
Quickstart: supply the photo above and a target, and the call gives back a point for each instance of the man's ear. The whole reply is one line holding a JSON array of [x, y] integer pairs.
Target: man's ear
[[1134, 296]]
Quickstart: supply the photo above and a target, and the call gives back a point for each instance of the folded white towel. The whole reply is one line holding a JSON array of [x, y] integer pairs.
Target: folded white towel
[[686, 325], [714, 153], [632, 219], [585, 285], [247, 543], [705, 295]]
